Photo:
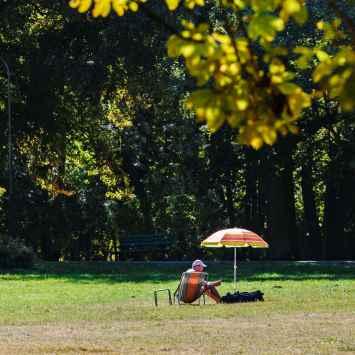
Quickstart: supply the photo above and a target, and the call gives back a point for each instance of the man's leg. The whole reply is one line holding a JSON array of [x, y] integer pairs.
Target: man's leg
[[212, 292], [214, 283]]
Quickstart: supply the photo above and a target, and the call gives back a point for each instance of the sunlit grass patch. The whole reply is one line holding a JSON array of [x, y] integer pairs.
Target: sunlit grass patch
[[109, 308]]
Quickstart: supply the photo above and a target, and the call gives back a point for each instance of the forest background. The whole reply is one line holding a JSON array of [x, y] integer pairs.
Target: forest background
[[103, 145]]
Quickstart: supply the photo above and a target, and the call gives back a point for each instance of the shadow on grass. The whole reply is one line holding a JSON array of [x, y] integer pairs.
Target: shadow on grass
[[101, 272]]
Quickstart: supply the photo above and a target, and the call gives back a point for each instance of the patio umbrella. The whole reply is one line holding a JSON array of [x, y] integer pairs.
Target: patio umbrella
[[234, 238]]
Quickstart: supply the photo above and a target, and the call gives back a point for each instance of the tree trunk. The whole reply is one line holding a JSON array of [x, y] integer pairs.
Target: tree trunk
[[313, 233], [333, 221], [251, 199], [278, 186], [334, 218], [229, 200]]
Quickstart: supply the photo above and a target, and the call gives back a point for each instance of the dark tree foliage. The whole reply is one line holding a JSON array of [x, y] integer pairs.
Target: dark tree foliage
[[104, 148]]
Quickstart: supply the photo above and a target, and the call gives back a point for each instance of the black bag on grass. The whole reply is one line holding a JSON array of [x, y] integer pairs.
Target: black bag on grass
[[242, 297]]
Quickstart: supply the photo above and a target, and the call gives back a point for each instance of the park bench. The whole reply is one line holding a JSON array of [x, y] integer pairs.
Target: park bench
[[145, 246]]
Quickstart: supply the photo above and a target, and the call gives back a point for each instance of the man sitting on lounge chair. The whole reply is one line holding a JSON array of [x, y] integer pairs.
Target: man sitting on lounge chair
[[209, 288]]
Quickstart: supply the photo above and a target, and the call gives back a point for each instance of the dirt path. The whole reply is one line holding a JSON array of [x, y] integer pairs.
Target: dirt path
[[330, 333]]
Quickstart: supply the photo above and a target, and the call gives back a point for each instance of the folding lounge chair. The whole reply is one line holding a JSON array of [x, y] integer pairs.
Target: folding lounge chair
[[191, 287]]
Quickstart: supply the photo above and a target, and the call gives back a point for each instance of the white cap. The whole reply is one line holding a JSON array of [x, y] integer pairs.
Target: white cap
[[198, 262]]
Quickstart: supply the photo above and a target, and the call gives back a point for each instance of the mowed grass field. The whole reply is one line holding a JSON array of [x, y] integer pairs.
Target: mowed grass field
[[103, 308]]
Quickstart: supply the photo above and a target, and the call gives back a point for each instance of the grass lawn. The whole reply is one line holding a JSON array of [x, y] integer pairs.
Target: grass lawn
[[101, 308]]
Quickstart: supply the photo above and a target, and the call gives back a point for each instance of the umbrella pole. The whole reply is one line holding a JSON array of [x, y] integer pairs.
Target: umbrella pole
[[235, 269]]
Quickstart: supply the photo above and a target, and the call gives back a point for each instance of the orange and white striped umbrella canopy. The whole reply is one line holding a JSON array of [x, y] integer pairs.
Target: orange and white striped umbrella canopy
[[234, 238]]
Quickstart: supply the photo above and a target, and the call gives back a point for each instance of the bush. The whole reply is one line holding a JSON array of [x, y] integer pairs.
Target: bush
[[15, 254]]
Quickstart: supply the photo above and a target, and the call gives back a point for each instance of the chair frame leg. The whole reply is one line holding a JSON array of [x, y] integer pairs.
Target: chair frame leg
[[162, 290]]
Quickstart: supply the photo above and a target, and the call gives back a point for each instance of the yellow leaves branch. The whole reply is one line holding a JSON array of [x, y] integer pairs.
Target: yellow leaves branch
[[252, 93], [104, 7], [260, 104], [333, 73], [336, 75], [2, 191]]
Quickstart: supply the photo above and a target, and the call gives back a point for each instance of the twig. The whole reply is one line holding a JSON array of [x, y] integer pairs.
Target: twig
[[348, 21], [161, 21]]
